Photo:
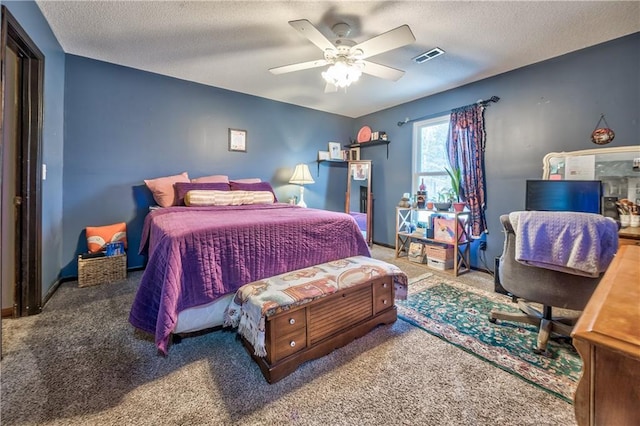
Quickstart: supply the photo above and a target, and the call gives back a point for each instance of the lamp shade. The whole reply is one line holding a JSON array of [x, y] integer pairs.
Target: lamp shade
[[301, 175]]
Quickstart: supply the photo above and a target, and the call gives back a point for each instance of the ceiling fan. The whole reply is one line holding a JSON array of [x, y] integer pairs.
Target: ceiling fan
[[345, 57]]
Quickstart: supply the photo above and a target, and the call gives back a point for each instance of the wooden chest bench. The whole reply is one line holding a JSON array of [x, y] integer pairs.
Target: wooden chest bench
[[316, 326]]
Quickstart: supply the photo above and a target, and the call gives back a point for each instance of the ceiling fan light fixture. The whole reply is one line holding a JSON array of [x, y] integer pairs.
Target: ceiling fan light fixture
[[342, 74]]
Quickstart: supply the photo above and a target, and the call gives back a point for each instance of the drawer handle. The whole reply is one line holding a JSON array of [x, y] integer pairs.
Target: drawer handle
[[292, 321], [384, 302], [384, 285], [292, 344]]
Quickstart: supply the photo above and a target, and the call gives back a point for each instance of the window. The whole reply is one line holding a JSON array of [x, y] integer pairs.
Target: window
[[430, 156]]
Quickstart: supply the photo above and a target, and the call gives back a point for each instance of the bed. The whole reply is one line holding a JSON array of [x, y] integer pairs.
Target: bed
[[361, 220], [199, 256]]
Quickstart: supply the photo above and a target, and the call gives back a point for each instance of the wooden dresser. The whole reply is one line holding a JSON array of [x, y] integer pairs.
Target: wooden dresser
[[607, 337], [629, 236]]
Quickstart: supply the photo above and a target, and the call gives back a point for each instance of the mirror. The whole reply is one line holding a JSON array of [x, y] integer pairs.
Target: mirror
[[359, 199], [618, 168]]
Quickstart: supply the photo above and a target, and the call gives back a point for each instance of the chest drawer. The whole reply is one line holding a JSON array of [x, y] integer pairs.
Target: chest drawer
[[382, 294], [289, 321], [290, 343]]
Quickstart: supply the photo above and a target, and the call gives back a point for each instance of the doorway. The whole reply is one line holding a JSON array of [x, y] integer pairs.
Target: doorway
[[21, 82]]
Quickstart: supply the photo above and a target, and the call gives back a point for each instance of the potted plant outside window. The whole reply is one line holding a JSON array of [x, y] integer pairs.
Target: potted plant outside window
[[456, 182]]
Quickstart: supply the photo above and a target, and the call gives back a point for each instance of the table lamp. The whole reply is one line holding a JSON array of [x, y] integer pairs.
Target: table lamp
[[301, 176]]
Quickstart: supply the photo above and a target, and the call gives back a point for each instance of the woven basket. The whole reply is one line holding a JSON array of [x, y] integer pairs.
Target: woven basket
[[438, 252], [101, 270]]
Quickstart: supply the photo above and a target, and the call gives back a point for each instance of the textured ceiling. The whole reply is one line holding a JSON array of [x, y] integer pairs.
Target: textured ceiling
[[232, 44]]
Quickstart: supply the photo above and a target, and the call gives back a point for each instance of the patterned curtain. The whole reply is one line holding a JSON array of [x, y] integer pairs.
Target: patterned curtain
[[465, 146]]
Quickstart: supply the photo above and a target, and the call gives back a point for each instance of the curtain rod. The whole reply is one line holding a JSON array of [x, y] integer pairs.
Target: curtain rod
[[480, 102]]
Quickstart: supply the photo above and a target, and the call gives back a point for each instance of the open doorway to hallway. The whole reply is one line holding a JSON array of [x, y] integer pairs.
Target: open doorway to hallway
[[21, 120]]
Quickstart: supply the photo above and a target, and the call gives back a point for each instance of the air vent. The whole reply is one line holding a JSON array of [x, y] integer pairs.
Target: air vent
[[436, 51]]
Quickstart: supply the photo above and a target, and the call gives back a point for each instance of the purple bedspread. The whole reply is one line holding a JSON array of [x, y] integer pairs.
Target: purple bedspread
[[361, 220], [197, 254]]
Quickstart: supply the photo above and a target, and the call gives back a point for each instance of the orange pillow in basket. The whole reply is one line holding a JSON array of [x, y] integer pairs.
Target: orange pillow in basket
[[99, 236]]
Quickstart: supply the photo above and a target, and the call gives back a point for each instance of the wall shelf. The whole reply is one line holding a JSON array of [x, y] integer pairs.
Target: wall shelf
[[371, 143], [330, 162]]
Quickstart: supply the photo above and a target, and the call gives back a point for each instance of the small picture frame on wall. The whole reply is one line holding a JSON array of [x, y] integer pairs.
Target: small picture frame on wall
[[354, 154], [335, 151], [237, 140]]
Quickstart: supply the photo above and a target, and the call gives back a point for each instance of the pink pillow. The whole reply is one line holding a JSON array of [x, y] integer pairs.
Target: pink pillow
[[183, 187], [248, 180], [162, 188], [212, 179]]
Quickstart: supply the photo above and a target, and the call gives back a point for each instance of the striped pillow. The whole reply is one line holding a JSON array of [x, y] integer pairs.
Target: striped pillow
[[227, 198], [256, 186], [182, 188]]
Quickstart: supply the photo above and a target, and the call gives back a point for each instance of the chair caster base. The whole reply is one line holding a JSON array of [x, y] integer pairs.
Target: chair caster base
[[492, 320], [543, 352]]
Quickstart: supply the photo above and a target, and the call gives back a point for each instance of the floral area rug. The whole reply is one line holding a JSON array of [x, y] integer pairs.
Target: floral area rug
[[459, 314]]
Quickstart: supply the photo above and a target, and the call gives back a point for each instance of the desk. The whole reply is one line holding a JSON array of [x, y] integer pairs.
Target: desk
[[607, 336]]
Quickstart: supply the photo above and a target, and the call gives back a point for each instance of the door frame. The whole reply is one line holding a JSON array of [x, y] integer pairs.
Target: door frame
[[28, 291]]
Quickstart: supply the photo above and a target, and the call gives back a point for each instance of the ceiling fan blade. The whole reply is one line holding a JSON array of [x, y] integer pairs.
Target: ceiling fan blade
[[330, 88], [384, 42], [298, 67], [381, 71], [307, 29]]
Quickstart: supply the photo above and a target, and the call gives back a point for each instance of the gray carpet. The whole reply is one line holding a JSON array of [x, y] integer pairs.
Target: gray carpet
[[80, 362]]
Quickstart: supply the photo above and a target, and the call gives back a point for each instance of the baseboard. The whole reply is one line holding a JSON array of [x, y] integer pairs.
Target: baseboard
[[384, 245], [7, 313], [63, 280], [485, 270], [52, 290]]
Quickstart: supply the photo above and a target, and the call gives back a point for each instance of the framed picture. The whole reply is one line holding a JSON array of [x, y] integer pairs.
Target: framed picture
[[354, 154], [335, 151], [237, 140], [323, 155]]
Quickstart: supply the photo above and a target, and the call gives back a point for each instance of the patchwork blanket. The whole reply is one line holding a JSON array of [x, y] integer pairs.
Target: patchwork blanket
[[575, 243], [198, 254], [257, 301]]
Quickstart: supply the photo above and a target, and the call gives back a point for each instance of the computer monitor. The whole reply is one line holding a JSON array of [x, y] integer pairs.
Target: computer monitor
[[564, 195]]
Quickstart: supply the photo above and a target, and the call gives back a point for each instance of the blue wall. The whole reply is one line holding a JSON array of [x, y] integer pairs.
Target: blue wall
[[30, 18], [549, 106], [121, 126], [125, 125]]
